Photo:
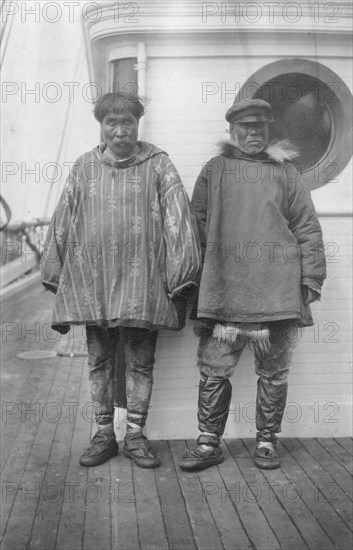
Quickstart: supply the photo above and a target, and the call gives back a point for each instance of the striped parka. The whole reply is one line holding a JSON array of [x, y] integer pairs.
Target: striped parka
[[123, 241]]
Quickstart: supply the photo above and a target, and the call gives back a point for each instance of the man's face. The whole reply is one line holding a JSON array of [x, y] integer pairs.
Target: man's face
[[120, 131], [250, 137]]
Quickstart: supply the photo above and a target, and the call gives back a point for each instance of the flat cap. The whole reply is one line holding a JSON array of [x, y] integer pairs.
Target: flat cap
[[249, 110]]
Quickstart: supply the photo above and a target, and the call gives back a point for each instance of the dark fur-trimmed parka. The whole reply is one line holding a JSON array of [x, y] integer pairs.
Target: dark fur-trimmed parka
[[261, 238]]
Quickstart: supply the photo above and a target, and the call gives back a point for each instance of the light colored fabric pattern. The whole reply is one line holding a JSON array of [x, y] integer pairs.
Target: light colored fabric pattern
[[122, 237]]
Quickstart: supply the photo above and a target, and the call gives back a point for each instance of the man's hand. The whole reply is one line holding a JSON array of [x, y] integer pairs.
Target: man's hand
[[185, 292], [309, 295]]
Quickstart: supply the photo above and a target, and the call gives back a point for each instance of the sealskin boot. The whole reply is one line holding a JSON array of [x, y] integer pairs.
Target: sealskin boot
[[202, 458], [266, 456], [139, 450], [102, 447], [270, 404], [213, 406]]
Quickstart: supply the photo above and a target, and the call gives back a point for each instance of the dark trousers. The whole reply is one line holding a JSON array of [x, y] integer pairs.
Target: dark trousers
[[217, 361], [139, 348]]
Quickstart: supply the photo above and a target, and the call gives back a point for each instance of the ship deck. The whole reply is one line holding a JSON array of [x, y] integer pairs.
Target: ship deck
[[50, 502]]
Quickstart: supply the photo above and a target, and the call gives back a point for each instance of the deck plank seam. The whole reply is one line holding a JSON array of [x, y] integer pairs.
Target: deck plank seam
[[338, 442], [29, 376], [136, 509], [212, 515], [259, 506], [278, 500], [324, 468], [233, 504], [161, 508], [182, 493], [335, 458], [69, 457], [322, 526], [26, 461], [321, 492], [49, 453]]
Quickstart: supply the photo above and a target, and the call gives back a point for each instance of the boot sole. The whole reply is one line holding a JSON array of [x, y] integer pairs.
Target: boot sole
[[266, 465], [140, 461], [202, 464], [110, 453]]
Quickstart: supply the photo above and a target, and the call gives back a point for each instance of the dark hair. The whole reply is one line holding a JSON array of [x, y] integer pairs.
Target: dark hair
[[115, 102]]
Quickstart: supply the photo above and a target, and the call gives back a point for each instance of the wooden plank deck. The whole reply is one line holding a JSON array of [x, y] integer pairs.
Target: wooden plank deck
[[49, 502]]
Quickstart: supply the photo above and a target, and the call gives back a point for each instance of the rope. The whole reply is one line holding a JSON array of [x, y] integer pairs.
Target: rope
[[8, 214], [5, 31], [63, 134]]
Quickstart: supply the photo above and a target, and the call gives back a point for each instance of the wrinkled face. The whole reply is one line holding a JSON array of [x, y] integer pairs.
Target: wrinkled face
[[249, 137], [120, 131]]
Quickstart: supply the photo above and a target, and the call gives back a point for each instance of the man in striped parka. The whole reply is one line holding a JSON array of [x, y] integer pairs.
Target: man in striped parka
[[121, 248]]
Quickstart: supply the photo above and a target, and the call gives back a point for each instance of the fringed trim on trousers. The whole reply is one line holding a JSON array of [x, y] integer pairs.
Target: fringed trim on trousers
[[256, 334]]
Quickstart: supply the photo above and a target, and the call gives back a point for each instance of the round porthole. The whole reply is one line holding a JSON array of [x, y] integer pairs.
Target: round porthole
[[312, 107]]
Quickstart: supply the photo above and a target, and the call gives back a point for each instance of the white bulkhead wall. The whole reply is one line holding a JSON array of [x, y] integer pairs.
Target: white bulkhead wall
[[191, 79], [188, 129]]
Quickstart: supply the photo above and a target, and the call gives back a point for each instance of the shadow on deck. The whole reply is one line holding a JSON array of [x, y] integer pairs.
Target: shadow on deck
[[49, 502]]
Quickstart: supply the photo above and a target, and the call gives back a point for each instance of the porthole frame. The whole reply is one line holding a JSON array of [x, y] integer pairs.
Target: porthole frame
[[339, 149]]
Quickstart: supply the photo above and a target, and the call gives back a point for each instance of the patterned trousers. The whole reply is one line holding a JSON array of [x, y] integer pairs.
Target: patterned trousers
[[139, 348]]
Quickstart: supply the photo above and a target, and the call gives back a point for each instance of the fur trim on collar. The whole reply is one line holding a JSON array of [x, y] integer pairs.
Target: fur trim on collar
[[279, 151], [282, 151]]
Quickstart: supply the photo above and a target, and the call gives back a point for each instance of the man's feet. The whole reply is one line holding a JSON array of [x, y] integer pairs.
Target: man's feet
[[139, 450], [266, 455], [102, 447], [202, 457]]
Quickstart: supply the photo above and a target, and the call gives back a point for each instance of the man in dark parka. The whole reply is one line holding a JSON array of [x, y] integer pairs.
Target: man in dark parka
[[263, 265]]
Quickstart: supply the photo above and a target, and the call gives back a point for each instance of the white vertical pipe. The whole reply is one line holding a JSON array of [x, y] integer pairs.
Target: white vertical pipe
[[141, 68]]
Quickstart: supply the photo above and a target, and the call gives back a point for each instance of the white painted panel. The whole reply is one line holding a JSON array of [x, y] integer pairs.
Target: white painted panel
[[188, 98], [188, 125]]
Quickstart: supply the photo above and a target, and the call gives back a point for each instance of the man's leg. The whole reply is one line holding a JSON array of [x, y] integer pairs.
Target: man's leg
[[216, 361], [101, 345], [140, 345], [272, 369]]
